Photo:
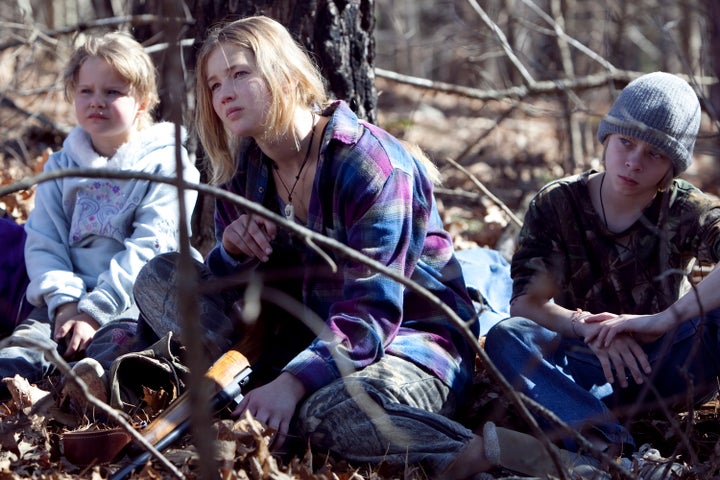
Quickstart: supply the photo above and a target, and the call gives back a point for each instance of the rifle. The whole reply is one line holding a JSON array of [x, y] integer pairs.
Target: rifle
[[229, 374]]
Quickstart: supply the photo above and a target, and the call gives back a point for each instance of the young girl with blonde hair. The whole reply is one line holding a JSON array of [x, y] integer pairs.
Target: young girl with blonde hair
[[87, 238]]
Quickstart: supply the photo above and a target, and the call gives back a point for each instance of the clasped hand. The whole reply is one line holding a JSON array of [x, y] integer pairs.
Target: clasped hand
[[615, 342]]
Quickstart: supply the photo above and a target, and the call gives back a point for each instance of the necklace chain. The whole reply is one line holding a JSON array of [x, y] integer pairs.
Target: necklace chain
[[289, 209], [602, 205]]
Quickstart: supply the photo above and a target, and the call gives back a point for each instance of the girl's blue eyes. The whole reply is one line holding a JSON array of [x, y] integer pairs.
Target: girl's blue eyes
[[234, 75]]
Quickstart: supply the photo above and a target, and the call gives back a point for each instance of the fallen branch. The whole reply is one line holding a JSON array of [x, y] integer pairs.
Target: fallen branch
[[6, 102], [514, 218]]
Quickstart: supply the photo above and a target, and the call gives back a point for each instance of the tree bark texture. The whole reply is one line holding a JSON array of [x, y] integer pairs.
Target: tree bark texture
[[712, 49]]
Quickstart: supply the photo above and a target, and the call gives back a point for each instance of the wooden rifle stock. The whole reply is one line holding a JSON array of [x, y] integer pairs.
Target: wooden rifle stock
[[229, 373]]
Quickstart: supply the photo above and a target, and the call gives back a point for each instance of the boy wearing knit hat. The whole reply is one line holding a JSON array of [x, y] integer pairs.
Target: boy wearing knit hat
[[602, 323]]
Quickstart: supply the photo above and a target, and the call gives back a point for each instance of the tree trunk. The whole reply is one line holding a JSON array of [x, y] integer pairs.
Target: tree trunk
[[713, 46]]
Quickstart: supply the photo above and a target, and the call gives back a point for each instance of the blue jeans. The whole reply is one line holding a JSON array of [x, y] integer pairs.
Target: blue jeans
[[564, 376], [110, 341]]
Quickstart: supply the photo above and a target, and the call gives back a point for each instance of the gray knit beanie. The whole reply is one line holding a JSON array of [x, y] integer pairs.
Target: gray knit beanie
[[661, 109]]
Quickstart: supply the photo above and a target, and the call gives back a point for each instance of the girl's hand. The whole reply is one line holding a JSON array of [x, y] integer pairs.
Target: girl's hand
[[624, 354], [249, 236], [274, 405], [78, 329], [644, 328]]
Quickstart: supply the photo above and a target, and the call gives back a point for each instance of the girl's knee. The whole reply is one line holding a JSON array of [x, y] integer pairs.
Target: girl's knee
[[162, 266], [330, 405]]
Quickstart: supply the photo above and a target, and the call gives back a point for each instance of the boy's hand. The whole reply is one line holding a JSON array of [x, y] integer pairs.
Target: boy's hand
[[622, 358], [644, 328]]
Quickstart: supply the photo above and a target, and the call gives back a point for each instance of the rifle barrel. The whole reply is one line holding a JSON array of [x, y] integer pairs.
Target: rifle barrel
[[232, 392]]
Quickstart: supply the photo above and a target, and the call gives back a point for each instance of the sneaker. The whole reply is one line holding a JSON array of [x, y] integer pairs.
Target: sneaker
[[648, 464], [93, 376], [523, 453]]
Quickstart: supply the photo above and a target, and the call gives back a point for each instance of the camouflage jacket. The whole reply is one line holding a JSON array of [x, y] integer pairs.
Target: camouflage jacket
[[566, 250]]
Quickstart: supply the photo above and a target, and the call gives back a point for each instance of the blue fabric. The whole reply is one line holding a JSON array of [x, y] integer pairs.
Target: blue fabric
[[487, 276], [566, 377], [112, 340], [14, 280]]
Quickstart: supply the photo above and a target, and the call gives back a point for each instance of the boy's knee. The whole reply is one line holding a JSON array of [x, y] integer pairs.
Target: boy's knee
[[510, 327], [498, 333]]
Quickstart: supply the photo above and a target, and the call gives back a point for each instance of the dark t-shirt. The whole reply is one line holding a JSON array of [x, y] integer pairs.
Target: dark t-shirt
[[565, 249], [13, 280]]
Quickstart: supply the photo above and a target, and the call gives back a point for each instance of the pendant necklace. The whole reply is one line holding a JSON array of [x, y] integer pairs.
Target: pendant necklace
[[289, 209]]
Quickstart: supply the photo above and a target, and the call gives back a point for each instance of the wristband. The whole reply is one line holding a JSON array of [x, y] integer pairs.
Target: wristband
[[574, 318]]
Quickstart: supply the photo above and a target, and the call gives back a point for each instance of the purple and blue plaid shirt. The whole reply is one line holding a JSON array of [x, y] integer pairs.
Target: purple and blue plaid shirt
[[370, 194]]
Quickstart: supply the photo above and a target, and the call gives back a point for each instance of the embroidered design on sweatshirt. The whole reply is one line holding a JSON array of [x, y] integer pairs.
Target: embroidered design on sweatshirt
[[101, 209]]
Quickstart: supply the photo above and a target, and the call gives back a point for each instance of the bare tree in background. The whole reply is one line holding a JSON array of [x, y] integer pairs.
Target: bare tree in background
[[339, 35], [569, 40], [553, 63]]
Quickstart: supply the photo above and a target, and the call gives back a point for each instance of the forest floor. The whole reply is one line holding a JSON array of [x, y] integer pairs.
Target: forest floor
[[512, 155]]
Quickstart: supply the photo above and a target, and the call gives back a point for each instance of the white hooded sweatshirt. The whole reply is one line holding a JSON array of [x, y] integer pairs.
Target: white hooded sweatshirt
[[87, 238]]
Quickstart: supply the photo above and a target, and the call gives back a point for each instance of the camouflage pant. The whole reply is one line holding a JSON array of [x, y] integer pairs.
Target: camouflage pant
[[391, 411]]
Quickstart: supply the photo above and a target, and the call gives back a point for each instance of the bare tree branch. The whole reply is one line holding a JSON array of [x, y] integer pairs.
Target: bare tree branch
[[541, 87], [487, 192], [34, 32], [6, 102], [560, 32], [503, 42]]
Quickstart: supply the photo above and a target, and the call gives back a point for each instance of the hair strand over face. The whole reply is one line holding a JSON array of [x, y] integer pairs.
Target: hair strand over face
[[292, 78]]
